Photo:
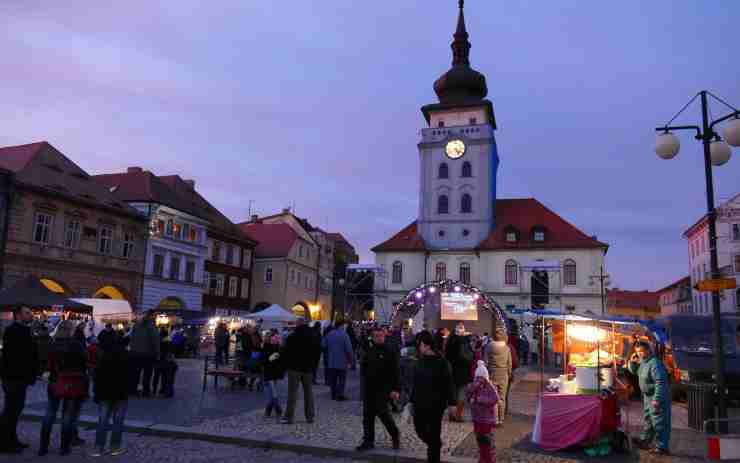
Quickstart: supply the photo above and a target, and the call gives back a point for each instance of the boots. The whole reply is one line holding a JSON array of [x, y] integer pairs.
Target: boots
[[45, 438]]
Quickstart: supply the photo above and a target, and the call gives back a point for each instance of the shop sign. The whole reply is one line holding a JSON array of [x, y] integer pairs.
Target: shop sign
[[717, 284]]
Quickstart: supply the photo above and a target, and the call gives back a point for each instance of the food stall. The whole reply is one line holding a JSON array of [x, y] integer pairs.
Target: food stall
[[582, 405]]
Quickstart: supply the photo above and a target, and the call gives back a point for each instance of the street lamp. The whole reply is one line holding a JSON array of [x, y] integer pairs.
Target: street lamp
[[717, 153]]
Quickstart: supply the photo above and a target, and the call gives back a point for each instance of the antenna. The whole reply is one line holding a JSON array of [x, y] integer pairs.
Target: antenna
[[249, 213]]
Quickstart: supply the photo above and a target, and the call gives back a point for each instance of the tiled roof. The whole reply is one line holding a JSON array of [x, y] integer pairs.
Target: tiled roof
[[143, 186], [42, 166], [187, 193], [618, 298], [338, 238], [683, 281], [274, 239], [407, 240], [521, 215]]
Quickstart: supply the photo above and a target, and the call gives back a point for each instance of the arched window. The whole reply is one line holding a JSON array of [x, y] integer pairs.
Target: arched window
[[467, 169], [569, 271], [465, 273], [268, 275], [440, 271], [466, 204], [397, 272], [443, 204], [511, 272], [444, 171]]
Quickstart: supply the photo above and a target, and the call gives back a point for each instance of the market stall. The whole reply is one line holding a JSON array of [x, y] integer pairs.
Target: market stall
[[30, 292], [583, 405]]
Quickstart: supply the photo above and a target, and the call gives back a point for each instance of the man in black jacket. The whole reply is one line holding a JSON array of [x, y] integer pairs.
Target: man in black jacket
[[19, 370], [381, 377], [300, 356]]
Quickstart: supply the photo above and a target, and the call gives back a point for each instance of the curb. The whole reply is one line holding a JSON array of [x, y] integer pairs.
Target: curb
[[284, 444]]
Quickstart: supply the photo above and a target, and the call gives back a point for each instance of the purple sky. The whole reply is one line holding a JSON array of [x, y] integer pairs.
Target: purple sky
[[317, 104]]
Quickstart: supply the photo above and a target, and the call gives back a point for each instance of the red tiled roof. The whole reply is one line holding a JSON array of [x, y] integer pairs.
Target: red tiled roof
[[144, 186], [274, 239], [522, 215], [338, 237], [16, 158], [407, 240], [40, 165], [632, 299]]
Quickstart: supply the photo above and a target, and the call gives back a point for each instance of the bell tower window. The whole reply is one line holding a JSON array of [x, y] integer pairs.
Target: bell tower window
[[443, 204], [466, 204], [444, 171], [467, 169]]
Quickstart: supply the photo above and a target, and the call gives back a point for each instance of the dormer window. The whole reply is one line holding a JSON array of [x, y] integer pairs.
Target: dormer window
[[511, 235], [473, 121], [441, 124], [538, 234]]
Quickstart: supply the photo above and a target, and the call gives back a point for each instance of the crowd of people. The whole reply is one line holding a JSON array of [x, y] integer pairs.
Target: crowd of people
[[77, 366]]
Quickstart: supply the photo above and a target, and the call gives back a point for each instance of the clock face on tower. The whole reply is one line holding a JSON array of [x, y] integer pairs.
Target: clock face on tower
[[455, 149]]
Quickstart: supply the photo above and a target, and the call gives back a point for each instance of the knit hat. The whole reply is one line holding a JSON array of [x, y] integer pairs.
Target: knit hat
[[481, 370]]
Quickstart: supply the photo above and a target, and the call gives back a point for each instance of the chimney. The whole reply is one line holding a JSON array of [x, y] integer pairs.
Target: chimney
[[286, 210], [255, 218], [134, 170], [190, 183]]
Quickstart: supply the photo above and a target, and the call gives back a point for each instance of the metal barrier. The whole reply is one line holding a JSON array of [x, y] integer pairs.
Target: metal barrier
[[723, 445]]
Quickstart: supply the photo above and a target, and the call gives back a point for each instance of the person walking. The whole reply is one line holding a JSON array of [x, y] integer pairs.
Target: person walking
[[68, 386], [433, 391], [144, 351], [461, 356], [380, 372], [18, 370], [338, 347], [273, 372], [110, 393], [300, 348], [483, 396], [498, 362], [221, 338], [656, 399]]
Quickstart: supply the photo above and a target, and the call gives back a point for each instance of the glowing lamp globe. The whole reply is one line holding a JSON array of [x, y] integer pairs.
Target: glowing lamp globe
[[719, 152], [667, 145], [732, 132]]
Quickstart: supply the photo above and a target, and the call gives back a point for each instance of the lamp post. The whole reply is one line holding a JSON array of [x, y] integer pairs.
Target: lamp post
[[604, 280], [717, 153]]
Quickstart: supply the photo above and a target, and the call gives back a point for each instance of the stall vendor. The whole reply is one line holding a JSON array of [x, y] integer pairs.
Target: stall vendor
[[656, 399]]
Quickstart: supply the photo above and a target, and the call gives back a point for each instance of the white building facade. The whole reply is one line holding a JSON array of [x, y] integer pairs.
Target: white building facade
[[516, 250], [728, 257]]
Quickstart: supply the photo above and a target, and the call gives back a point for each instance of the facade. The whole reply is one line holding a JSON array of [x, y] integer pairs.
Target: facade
[[68, 230], [285, 268], [728, 255], [643, 305], [325, 280], [229, 259], [518, 251], [344, 255], [676, 298], [177, 245], [6, 187]]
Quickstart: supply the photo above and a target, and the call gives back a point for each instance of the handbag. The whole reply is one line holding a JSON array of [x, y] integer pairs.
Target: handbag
[[69, 385]]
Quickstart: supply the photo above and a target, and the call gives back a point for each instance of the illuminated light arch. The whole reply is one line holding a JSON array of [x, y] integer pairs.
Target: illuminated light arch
[[300, 309], [53, 286], [415, 300], [109, 292]]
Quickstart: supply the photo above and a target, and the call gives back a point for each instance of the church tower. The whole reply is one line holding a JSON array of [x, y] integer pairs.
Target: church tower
[[458, 155]]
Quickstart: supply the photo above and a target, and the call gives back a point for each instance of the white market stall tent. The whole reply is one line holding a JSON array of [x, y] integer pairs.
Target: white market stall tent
[[107, 311], [273, 317]]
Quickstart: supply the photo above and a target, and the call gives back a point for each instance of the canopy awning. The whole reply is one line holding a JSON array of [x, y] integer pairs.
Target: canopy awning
[[274, 313], [30, 292]]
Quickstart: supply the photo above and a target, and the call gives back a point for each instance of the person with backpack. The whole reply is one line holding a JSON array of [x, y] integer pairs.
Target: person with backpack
[[68, 386], [460, 355]]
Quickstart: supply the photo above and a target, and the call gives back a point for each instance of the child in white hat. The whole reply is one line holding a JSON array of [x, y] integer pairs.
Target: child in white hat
[[483, 396]]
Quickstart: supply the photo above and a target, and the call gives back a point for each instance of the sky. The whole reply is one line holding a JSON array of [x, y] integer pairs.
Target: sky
[[317, 105]]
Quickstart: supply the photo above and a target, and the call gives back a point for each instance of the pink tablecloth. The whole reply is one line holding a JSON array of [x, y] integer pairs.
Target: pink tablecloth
[[564, 420]]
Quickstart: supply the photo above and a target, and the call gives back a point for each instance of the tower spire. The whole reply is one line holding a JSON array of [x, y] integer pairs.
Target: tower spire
[[460, 44]]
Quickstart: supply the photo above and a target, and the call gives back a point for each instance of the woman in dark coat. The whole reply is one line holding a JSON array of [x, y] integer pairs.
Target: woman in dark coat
[[433, 391], [273, 372], [460, 355], [111, 393], [67, 370]]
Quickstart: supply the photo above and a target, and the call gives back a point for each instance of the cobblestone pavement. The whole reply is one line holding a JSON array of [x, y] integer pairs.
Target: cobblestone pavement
[[142, 449], [188, 407]]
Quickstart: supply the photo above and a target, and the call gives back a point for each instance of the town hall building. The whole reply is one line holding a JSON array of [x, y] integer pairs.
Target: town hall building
[[517, 251]]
